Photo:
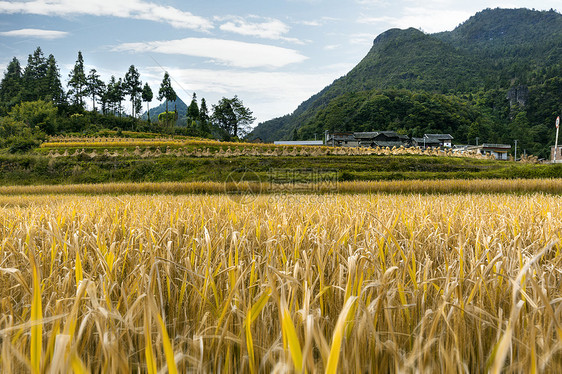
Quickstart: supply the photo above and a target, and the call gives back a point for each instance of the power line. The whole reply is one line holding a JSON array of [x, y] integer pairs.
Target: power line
[[164, 70]]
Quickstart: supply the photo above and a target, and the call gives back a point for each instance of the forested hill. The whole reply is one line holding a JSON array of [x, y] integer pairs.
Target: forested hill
[[506, 33], [496, 54]]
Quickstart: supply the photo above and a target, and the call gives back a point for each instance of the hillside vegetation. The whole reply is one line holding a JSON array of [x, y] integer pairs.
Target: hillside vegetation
[[498, 73], [183, 159]]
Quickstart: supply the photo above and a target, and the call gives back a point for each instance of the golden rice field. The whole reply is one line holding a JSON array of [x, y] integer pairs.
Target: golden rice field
[[289, 283]]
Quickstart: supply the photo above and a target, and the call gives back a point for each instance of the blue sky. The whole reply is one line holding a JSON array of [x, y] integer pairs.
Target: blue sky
[[273, 54]]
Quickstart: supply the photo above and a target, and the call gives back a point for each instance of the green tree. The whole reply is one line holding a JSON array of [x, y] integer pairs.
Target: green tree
[[133, 87], [118, 95], [204, 111], [193, 109], [147, 96], [114, 95], [166, 90], [94, 87], [138, 106], [77, 81], [204, 117], [232, 116], [17, 136], [53, 82], [11, 85], [41, 114], [34, 77], [109, 95]]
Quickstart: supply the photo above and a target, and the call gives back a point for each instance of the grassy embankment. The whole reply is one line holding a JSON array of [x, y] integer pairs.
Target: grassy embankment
[[189, 160]]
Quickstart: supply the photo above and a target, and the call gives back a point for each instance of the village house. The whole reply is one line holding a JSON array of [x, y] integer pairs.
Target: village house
[[366, 139], [341, 139], [498, 151], [434, 140], [381, 139], [424, 142]]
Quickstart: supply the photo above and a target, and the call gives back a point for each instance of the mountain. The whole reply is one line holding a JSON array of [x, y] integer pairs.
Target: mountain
[[505, 33], [499, 65], [178, 105]]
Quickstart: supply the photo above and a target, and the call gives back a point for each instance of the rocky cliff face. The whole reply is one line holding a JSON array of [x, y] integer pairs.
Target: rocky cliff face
[[518, 96]]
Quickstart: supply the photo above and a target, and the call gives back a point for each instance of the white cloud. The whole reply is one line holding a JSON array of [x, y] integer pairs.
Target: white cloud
[[137, 9], [35, 33], [433, 15], [373, 2], [268, 29], [429, 20], [310, 23], [362, 39], [331, 47], [225, 52]]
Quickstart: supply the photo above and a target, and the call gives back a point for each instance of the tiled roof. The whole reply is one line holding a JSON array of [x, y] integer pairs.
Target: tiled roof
[[440, 136]]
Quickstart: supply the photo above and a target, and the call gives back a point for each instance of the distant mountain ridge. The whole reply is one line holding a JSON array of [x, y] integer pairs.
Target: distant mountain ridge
[[482, 59]]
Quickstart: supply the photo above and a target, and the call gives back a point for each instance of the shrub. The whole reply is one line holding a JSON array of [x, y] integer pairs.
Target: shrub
[[36, 113]]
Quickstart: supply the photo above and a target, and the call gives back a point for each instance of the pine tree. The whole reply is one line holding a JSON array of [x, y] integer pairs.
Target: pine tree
[[204, 117], [147, 96], [113, 94], [12, 84], [132, 86], [204, 111], [104, 98], [54, 85], [35, 77], [119, 95], [94, 87], [166, 91], [77, 81], [193, 109]]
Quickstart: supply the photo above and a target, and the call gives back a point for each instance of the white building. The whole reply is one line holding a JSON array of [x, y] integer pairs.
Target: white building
[[499, 151], [299, 142]]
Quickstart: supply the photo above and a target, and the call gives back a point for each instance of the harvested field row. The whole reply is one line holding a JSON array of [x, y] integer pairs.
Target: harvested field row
[[328, 186]]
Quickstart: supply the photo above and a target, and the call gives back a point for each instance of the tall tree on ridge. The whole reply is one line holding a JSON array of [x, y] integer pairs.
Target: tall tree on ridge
[[54, 85], [11, 85], [94, 86], [119, 94], [34, 77], [193, 109], [133, 87], [147, 96], [77, 81], [166, 90], [204, 116], [114, 94]]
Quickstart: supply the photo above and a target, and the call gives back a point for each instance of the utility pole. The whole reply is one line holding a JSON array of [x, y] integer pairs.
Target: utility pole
[[516, 149], [556, 142], [477, 138]]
